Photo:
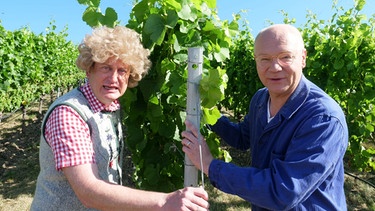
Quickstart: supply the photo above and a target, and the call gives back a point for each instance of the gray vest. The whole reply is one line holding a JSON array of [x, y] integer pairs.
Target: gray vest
[[53, 192]]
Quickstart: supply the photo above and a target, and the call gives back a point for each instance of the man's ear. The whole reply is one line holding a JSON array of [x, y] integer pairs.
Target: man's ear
[[304, 55], [88, 72]]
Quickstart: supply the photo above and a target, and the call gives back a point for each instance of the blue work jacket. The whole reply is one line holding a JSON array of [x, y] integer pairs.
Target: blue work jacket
[[297, 158]]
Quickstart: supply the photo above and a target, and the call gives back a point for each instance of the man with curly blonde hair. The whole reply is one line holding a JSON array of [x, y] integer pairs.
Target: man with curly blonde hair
[[81, 147]]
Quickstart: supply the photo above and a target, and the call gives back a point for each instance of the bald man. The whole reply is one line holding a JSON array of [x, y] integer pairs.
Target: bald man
[[296, 133]]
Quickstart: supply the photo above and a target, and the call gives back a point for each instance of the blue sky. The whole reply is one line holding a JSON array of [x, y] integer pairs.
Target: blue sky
[[37, 14]]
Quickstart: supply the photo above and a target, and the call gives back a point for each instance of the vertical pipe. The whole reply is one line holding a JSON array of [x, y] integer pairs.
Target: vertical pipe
[[195, 61]]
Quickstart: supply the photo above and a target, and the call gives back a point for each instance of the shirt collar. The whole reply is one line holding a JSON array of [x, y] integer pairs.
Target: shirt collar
[[292, 105], [297, 99], [95, 104]]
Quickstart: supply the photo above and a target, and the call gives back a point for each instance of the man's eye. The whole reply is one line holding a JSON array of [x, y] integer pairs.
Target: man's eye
[[286, 57], [105, 68], [265, 59], [122, 71]]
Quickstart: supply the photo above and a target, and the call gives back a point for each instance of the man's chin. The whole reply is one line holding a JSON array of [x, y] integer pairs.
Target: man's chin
[[111, 97]]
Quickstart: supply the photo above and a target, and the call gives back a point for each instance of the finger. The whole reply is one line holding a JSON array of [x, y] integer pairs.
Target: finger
[[189, 137], [199, 204], [198, 208], [201, 193], [186, 142], [192, 128]]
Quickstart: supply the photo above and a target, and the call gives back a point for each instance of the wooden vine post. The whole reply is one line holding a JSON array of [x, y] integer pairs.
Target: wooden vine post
[[195, 61]]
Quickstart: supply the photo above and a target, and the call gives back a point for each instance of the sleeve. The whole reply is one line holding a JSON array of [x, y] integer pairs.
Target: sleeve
[[235, 134], [69, 137], [313, 160]]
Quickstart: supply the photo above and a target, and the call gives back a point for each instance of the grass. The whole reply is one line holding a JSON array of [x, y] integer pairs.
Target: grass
[[19, 169]]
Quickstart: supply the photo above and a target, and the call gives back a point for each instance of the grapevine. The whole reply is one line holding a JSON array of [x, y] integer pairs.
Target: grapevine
[[155, 110], [33, 65]]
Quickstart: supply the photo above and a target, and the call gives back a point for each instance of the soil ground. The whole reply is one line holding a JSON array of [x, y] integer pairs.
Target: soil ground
[[19, 167]]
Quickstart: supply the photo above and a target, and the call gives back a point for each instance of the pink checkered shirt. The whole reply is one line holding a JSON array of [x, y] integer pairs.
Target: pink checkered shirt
[[69, 135]]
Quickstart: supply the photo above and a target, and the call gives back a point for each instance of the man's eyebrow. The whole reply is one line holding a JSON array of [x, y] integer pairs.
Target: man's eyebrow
[[265, 54]]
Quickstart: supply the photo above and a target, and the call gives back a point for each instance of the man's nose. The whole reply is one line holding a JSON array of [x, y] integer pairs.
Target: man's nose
[[275, 65], [114, 75]]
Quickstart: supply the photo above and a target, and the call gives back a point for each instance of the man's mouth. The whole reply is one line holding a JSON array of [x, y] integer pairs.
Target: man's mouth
[[110, 87], [276, 79]]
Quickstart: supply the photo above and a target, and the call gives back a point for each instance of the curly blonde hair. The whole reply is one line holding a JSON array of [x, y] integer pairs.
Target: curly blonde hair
[[119, 43]]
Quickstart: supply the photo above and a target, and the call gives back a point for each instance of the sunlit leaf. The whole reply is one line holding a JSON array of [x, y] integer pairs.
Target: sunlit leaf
[[109, 18], [173, 4], [222, 55], [91, 17], [360, 4], [93, 3], [210, 116], [140, 9], [186, 13]]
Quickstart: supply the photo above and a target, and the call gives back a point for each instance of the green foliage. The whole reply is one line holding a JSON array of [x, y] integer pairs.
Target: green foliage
[[169, 28], [243, 80], [94, 17], [341, 58], [155, 110], [32, 65]]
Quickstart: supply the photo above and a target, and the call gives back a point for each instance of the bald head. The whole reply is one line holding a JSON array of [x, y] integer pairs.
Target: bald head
[[282, 34]]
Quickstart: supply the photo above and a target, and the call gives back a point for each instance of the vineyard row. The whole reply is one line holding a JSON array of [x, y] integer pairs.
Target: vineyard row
[[34, 65]]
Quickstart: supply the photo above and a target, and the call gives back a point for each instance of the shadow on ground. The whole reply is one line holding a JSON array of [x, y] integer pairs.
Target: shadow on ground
[[19, 157]]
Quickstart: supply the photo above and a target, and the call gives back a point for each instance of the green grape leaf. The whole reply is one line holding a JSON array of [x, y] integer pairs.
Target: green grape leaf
[[210, 116], [91, 17], [155, 28], [109, 18]]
